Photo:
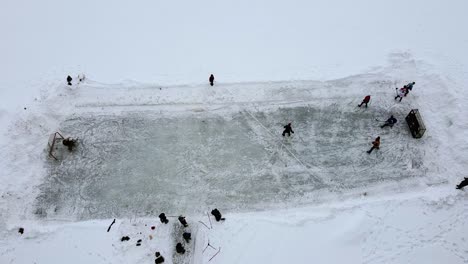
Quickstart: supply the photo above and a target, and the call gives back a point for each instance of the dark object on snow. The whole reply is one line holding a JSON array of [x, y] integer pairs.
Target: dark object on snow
[[390, 122], [159, 259], [21, 230], [375, 145], [217, 214], [179, 248], [69, 79], [365, 101], [415, 123], [113, 222], [187, 236], [138, 243], [211, 79], [163, 218], [183, 221], [287, 130], [69, 142], [153, 227], [125, 238], [463, 183]]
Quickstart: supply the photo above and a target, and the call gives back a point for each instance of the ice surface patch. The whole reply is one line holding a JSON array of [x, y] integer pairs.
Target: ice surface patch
[[142, 164]]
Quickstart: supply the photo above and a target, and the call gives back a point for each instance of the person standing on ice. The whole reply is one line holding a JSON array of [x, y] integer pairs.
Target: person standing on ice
[[217, 214], [287, 130], [390, 122], [159, 259], [180, 249], [183, 221], [211, 79], [365, 101], [409, 87], [401, 93], [163, 218], [375, 145], [462, 183], [69, 142]]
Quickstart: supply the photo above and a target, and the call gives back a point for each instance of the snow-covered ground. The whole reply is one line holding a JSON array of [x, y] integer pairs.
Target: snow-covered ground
[[171, 143]]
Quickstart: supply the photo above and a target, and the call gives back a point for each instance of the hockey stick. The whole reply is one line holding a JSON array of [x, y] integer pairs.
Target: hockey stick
[[209, 219], [204, 224], [215, 254], [108, 229]]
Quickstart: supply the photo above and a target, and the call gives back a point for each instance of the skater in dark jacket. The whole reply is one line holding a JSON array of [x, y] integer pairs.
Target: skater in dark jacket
[[211, 79], [288, 130], [390, 122], [69, 142], [163, 218], [183, 221], [409, 87], [462, 183], [187, 236], [365, 101], [69, 79], [375, 145], [217, 214]]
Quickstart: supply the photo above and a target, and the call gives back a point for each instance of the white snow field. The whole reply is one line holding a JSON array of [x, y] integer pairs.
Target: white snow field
[[154, 137]]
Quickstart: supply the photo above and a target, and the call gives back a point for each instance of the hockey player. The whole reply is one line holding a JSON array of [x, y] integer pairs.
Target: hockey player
[[211, 79], [187, 236], [69, 142], [180, 249], [401, 93], [390, 122], [287, 130], [183, 221], [217, 214], [163, 218], [409, 87], [462, 183], [375, 145], [69, 79], [365, 101]]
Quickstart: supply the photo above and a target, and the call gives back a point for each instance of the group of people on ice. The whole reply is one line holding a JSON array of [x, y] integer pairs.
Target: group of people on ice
[[402, 92]]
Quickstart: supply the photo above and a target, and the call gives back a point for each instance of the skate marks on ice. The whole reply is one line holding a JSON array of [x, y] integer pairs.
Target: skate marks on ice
[[141, 164]]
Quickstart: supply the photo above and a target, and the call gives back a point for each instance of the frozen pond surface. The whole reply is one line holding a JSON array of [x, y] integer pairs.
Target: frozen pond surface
[[143, 163]]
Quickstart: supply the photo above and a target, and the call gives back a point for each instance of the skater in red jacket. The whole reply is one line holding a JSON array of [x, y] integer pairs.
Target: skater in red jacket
[[375, 145], [365, 101]]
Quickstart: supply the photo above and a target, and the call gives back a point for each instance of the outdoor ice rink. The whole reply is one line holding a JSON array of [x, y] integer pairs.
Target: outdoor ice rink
[[141, 163]]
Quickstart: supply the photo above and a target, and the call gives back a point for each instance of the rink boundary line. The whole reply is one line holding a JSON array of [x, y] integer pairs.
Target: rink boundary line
[[91, 105]]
